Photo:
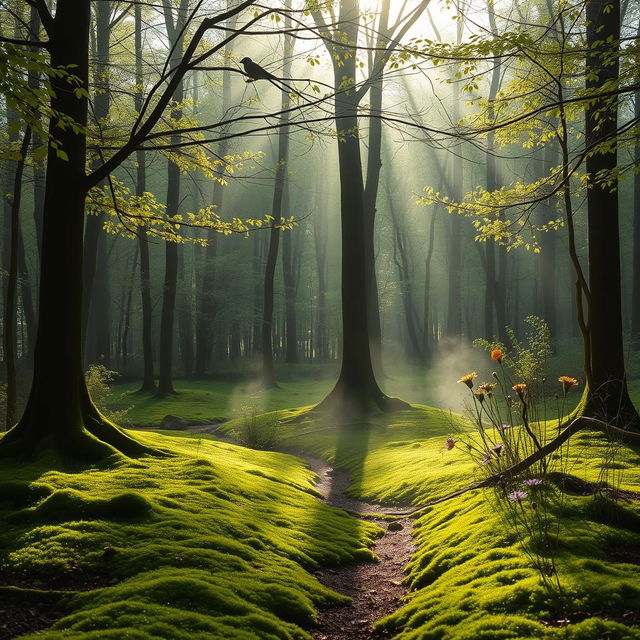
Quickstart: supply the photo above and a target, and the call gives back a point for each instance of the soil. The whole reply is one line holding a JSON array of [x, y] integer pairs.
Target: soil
[[17, 619], [376, 588]]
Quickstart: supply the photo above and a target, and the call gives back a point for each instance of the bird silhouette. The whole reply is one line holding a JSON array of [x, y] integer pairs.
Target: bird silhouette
[[255, 71]]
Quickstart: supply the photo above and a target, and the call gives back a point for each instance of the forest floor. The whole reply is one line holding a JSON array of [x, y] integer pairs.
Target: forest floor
[[223, 542]]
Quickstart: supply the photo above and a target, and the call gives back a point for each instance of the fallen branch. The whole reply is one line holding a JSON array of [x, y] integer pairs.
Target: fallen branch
[[578, 424]]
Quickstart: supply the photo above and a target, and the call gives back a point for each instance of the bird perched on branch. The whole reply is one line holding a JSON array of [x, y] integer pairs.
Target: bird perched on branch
[[256, 72]]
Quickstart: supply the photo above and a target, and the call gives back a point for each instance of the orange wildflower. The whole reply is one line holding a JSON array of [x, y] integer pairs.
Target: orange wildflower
[[520, 388], [468, 379], [567, 382], [497, 354]]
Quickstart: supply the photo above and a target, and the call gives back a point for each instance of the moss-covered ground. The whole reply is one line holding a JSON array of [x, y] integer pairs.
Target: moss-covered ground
[[204, 401], [216, 541], [470, 578]]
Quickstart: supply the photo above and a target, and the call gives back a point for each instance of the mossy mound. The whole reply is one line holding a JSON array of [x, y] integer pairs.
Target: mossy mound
[[213, 542]]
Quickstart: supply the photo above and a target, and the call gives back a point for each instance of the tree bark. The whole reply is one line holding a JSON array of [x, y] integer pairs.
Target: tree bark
[[608, 396], [59, 413], [167, 315]]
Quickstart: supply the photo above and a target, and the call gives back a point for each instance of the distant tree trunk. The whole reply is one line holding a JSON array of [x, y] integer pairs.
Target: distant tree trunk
[[206, 300], [453, 325], [413, 346], [28, 307], [321, 345], [427, 330], [289, 276], [608, 394], [124, 345], [96, 294], [167, 315], [185, 316], [10, 306], [258, 292], [148, 378], [547, 264], [491, 285]]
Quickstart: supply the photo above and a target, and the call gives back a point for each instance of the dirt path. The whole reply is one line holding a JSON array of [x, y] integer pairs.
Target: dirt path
[[375, 587]]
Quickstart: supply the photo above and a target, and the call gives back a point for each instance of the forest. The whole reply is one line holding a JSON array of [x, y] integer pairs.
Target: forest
[[320, 319]]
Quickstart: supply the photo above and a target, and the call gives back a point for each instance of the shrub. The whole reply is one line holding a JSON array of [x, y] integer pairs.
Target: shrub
[[98, 379]]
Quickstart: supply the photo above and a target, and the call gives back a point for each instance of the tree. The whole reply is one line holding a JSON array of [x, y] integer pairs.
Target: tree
[[357, 390], [608, 396], [268, 374], [59, 412]]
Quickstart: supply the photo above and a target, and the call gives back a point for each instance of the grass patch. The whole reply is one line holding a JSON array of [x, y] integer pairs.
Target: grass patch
[[214, 542]]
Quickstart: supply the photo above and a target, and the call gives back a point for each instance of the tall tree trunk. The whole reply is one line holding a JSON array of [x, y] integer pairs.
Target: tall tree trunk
[[148, 378], [547, 263], [26, 295], [491, 285], [321, 344], [427, 328], [206, 301], [635, 286], [59, 412], [608, 395], [96, 294], [282, 167], [413, 346], [176, 37], [453, 326], [371, 189], [10, 306], [185, 315], [289, 277], [38, 170]]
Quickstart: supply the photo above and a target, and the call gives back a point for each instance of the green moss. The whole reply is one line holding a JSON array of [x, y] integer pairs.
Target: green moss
[[213, 542], [470, 578], [217, 541]]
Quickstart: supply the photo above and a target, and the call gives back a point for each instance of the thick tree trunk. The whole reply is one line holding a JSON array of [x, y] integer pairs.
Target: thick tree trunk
[[608, 396], [356, 390], [59, 412]]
